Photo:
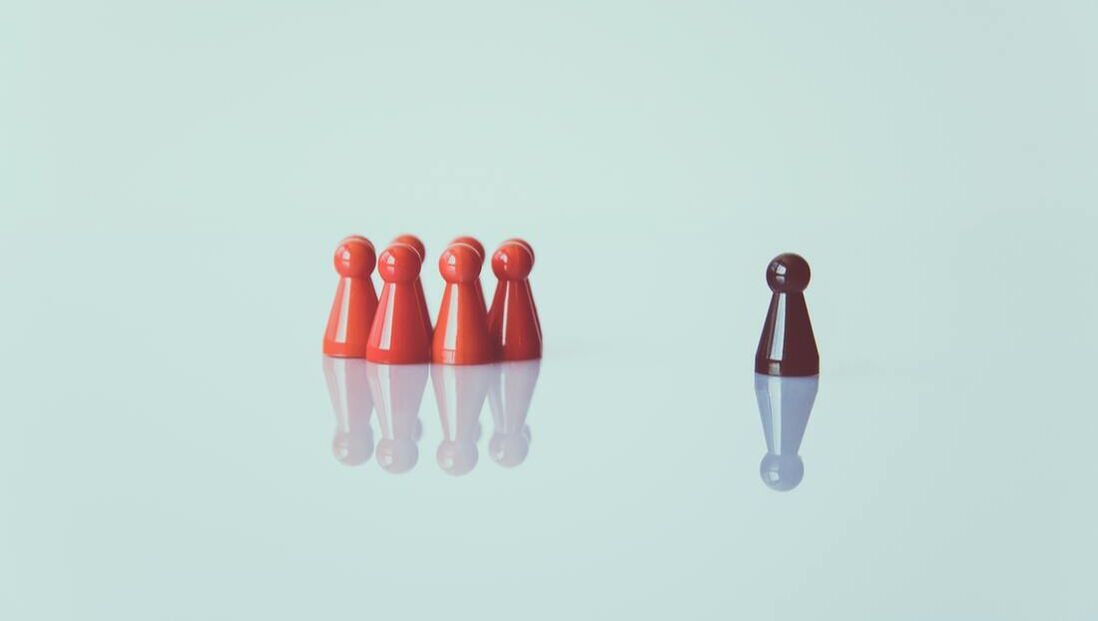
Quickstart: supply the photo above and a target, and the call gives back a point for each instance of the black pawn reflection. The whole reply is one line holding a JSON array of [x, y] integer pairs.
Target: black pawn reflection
[[398, 391], [460, 391], [785, 404], [509, 399], [352, 404]]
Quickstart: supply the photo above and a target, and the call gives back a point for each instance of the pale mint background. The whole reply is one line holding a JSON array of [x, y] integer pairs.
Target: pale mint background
[[173, 179]]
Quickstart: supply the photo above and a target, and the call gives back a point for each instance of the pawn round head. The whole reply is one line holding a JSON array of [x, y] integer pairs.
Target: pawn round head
[[414, 242], [354, 257], [512, 261], [788, 273], [399, 263], [360, 238], [781, 473], [472, 241], [523, 243], [459, 263]]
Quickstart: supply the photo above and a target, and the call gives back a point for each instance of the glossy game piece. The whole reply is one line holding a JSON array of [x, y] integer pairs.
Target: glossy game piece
[[352, 404], [414, 242], [513, 317], [461, 332], [479, 247], [785, 404], [509, 398], [523, 243], [472, 241], [355, 301], [787, 346], [460, 393], [399, 334], [398, 394], [417, 243]]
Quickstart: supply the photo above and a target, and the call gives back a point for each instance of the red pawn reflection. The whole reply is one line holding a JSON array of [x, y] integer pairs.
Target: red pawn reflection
[[352, 404], [509, 400], [460, 393], [398, 392], [400, 333], [355, 302], [513, 318], [461, 334]]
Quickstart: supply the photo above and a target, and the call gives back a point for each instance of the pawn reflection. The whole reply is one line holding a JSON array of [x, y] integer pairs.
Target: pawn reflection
[[352, 404], [460, 391], [509, 399], [397, 392], [357, 388], [785, 404]]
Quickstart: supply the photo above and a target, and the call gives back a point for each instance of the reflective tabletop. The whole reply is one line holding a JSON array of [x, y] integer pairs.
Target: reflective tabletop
[[174, 178]]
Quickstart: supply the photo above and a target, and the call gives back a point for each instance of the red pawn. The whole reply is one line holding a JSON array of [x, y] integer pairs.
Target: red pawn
[[461, 336], [399, 334], [472, 241], [513, 319], [412, 241], [460, 392], [417, 244], [525, 244], [479, 247], [355, 301]]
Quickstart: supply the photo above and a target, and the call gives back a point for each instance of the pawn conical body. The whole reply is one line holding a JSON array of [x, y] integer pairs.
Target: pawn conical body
[[461, 332], [417, 244], [400, 333], [787, 346], [513, 317], [355, 302]]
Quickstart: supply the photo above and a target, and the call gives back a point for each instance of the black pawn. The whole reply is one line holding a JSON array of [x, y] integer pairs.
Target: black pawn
[[787, 347]]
